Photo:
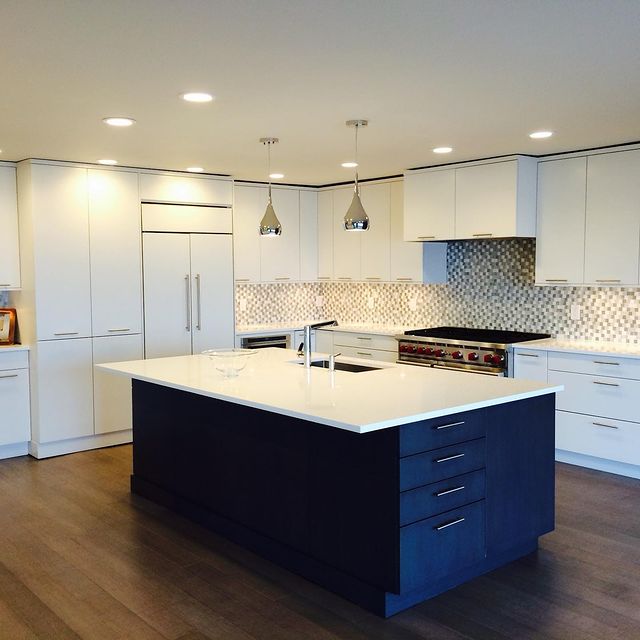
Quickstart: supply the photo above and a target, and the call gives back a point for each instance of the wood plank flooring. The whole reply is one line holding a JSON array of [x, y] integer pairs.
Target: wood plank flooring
[[82, 558]]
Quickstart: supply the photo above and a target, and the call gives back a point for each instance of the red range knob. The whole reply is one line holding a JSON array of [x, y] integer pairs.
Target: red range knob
[[473, 356], [457, 355], [402, 348], [497, 359], [428, 351], [439, 353], [421, 350], [488, 357], [411, 348]]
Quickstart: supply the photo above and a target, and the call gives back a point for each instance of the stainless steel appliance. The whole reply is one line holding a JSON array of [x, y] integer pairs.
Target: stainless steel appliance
[[487, 351], [280, 340]]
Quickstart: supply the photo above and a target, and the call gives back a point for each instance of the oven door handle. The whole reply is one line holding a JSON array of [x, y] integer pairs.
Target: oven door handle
[[495, 374]]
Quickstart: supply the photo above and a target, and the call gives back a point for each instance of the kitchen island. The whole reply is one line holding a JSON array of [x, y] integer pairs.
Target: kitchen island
[[387, 486]]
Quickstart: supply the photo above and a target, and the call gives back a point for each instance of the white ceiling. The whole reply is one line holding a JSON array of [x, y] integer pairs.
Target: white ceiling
[[477, 75]]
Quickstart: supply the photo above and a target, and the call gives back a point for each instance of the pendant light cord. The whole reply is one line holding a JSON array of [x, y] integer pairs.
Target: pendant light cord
[[269, 166], [355, 186]]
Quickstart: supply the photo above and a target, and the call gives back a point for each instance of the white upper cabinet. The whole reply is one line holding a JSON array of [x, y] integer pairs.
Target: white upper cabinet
[[429, 205], [613, 218], [325, 235], [346, 244], [561, 218], [186, 189], [9, 240], [280, 255], [405, 257], [116, 270], [375, 245], [308, 236], [248, 209]]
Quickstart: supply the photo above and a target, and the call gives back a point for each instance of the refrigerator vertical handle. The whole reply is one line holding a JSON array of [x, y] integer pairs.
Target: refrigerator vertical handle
[[187, 284], [198, 303]]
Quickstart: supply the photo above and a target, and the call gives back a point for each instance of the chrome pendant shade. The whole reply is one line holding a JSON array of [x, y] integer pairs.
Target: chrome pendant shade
[[356, 218], [269, 225]]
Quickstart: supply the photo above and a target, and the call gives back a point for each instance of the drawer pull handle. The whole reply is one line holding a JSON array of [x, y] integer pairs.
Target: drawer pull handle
[[242, 279], [613, 364], [11, 375], [5, 285], [283, 278], [453, 457], [482, 235], [117, 330], [324, 278], [372, 278], [363, 338], [609, 280], [363, 353], [602, 424], [448, 491], [344, 278], [426, 237], [66, 333], [447, 426], [448, 524], [606, 384], [527, 355], [556, 280], [404, 279]]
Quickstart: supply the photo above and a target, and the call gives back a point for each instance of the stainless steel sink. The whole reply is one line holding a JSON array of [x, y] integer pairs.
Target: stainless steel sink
[[343, 366]]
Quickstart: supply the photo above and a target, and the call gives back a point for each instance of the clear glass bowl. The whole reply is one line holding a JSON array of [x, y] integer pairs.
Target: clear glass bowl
[[229, 362]]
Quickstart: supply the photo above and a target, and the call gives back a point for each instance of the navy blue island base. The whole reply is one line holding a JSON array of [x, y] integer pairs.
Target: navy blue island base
[[385, 519]]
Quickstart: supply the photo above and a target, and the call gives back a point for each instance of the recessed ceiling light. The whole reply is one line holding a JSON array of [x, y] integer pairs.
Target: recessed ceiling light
[[537, 135], [118, 121], [276, 176], [196, 96], [349, 165], [195, 169], [442, 150], [107, 161]]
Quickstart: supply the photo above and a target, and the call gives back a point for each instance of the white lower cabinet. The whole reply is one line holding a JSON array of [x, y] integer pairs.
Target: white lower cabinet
[[530, 365], [324, 341], [364, 345], [15, 423]]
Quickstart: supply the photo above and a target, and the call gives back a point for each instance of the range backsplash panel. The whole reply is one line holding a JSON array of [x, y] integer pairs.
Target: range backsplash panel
[[491, 285]]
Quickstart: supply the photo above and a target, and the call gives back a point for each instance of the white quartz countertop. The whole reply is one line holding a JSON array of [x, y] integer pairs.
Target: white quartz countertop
[[613, 349], [361, 402], [13, 347]]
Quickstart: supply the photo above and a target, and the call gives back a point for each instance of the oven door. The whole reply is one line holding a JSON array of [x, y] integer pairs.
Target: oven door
[[465, 368], [281, 341]]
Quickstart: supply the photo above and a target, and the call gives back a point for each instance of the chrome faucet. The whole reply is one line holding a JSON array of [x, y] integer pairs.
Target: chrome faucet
[[305, 347]]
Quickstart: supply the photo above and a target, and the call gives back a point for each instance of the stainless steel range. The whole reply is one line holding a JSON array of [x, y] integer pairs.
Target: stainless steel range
[[488, 351]]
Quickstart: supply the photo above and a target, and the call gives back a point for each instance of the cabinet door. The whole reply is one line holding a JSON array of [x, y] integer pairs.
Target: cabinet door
[[185, 189], [167, 294], [280, 255], [346, 244], [375, 245], [9, 241], [429, 205], [116, 270], [112, 394], [248, 208], [561, 212], [486, 200], [15, 425], [613, 218], [61, 247], [308, 236], [530, 365], [212, 286], [64, 390], [405, 257], [325, 235]]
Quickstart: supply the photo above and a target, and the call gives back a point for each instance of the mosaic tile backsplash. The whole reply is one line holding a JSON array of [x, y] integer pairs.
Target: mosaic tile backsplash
[[491, 285]]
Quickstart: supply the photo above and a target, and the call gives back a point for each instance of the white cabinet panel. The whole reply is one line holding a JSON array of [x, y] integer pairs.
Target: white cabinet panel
[[596, 365], [367, 354], [405, 258], [167, 294], [15, 425], [116, 270], [375, 242], [366, 340], [63, 400], [112, 394], [324, 341], [185, 189], [248, 209], [61, 250], [280, 255], [561, 220], [429, 205], [308, 236], [9, 240], [182, 218], [212, 292], [325, 235], [346, 244], [530, 365], [612, 243]]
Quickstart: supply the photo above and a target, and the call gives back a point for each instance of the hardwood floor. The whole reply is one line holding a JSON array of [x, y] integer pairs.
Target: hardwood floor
[[82, 558]]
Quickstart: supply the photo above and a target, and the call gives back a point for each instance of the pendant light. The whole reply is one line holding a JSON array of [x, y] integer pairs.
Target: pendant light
[[356, 218], [269, 225]]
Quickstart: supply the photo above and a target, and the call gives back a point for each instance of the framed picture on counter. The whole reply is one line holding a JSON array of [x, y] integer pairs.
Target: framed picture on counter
[[7, 326]]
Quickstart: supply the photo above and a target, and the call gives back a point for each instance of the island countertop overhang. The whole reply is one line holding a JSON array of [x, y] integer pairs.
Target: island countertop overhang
[[391, 396]]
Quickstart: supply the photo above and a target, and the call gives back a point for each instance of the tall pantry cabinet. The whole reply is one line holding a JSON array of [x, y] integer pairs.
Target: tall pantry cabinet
[[78, 305]]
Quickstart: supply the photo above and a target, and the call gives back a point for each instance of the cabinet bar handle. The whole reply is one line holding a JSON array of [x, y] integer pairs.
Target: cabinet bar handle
[[448, 491], [427, 237], [527, 355], [5, 285], [344, 278], [482, 235], [602, 424], [454, 457], [606, 384], [10, 375], [363, 338], [363, 353], [187, 296], [446, 426], [66, 333], [242, 279], [556, 280], [613, 364], [117, 330], [404, 279], [609, 280], [449, 524], [198, 302], [283, 278], [324, 278]]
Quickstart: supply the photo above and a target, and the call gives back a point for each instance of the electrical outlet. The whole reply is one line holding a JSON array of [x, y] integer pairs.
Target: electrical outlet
[[243, 304], [576, 311], [413, 304], [319, 301]]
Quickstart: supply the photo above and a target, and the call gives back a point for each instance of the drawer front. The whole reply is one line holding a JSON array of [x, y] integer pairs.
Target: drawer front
[[595, 365], [365, 353], [447, 462], [599, 437], [446, 543], [366, 341], [598, 395], [440, 432], [442, 496], [14, 360], [530, 365]]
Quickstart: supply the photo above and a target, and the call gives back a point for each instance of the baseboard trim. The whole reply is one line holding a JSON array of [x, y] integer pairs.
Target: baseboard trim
[[14, 450], [61, 447], [599, 464]]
